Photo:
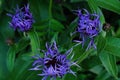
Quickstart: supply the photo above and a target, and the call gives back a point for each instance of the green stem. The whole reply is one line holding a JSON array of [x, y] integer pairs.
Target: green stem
[[50, 16], [50, 9]]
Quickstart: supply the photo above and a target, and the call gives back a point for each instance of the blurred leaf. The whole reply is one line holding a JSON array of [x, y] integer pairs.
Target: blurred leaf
[[5, 29], [73, 25], [77, 51], [91, 62], [20, 69], [27, 56], [59, 15], [84, 56], [3, 54], [64, 39], [22, 72], [97, 69], [101, 44], [77, 0], [41, 27], [55, 25], [11, 58], [34, 41], [103, 75], [41, 24], [1, 6], [22, 44], [113, 46], [109, 62], [39, 9], [55, 37], [0, 73], [112, 5], [11, 5], [69, 77]]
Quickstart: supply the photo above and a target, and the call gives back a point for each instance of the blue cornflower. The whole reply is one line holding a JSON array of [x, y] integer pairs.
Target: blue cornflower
[[53, 64], [88, 27], [22, 19]]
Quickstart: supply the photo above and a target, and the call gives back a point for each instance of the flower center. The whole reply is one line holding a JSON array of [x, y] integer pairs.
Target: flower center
[[54, 62]]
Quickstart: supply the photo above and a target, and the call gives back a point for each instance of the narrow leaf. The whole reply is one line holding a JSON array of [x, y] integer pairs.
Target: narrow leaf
[[84, 56], [109, 62], [34, 42], [101, 44], [113, 46], [112, 5], [39, 9], [11, 58], [55, 25], [75, 1], [21, 70], [22, 44]]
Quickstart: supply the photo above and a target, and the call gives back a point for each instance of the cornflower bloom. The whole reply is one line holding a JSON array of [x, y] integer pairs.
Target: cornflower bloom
[[53, 64], [88, 27], [22, 19]]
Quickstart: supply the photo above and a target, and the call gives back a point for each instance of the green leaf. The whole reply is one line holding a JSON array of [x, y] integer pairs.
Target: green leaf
[[113, 46], [39, 9], [3, 57], [72, 1], [20, 73], [95, 9], [11, 58], [101, 44], [55, 25], [22, 44], [69, 77], [34, 42], [21, 70], [112, 5], [73, 25], [109, 62], [91, 62], [103, 75], [84, 56], [5, 29], [97, 69], [1, 6]]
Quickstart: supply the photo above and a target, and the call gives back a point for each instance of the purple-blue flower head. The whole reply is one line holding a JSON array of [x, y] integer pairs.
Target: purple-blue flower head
[[53, 64], [88, 27], [22, 19]]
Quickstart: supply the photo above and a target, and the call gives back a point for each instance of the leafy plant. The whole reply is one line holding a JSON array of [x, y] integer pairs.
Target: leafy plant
[[56, 20]]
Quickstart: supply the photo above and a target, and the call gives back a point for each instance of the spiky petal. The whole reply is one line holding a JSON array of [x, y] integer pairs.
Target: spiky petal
[[88, 27], [22, 19], [53, 64]]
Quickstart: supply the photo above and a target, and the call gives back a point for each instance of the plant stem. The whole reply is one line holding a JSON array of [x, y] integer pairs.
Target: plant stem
[[50, 9]]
